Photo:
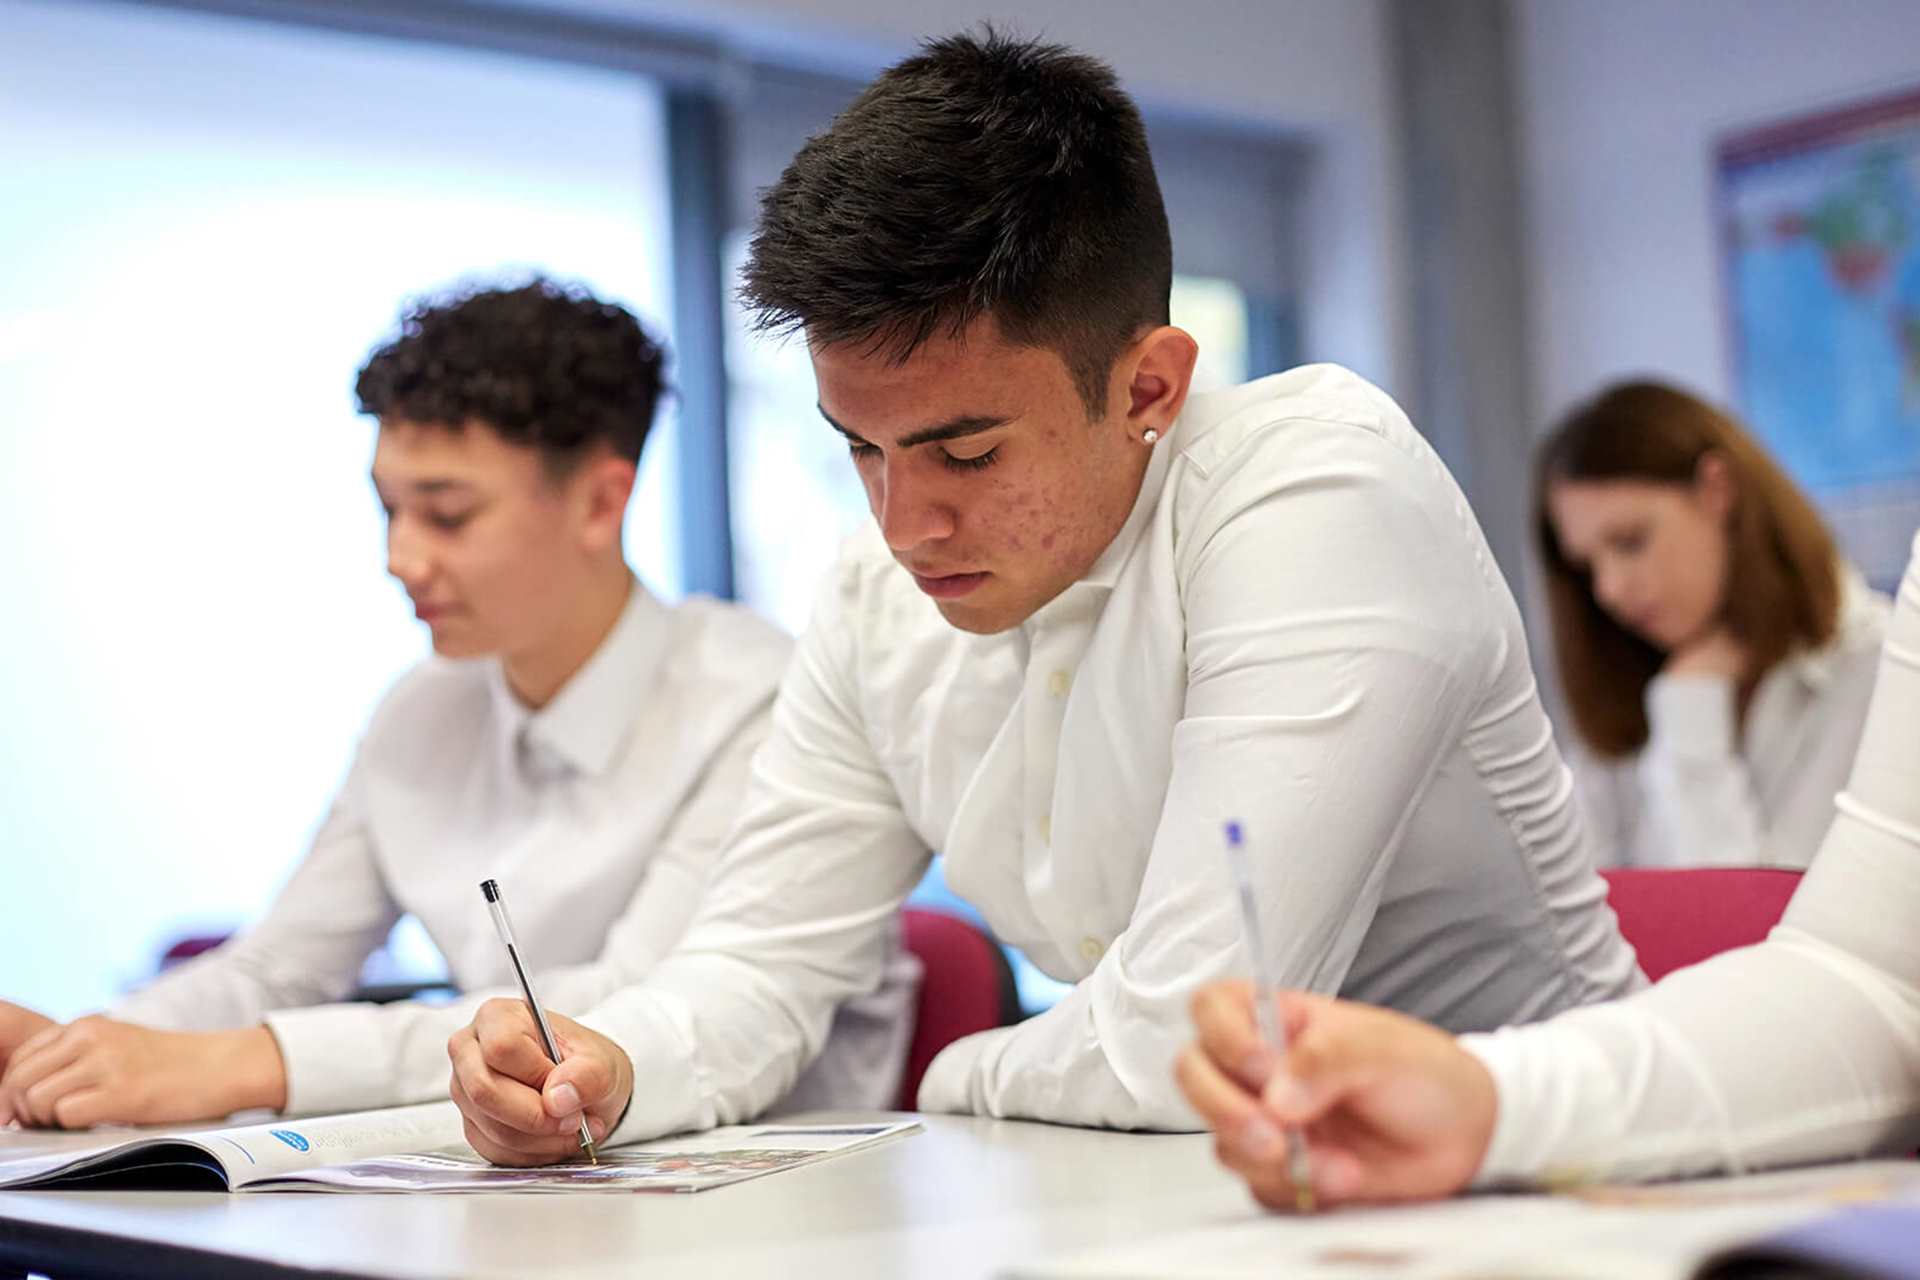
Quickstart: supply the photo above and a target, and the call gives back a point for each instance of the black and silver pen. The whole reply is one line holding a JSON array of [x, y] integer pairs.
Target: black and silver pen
[[498, 906]]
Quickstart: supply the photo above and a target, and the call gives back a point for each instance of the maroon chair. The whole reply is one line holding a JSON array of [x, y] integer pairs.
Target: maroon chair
[[184, 949], [1680, 916], [966, 985]]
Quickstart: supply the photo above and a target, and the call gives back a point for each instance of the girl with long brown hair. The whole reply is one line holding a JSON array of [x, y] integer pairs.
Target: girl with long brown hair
[[1715, 652]]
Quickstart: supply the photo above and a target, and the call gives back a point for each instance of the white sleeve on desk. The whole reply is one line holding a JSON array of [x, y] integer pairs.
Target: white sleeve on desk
[[1555, 1094], [945, 1086], [356, 1057], [338, 1058], [1782, 1053], [672, 1088]]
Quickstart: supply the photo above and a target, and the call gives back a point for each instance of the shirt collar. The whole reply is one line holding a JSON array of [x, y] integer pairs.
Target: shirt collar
[[1106, 570], [588, 720]]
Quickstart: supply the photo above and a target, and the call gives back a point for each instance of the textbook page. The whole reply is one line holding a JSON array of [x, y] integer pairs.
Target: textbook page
[[1658, 1232], [226, 1158], [691, 1162]]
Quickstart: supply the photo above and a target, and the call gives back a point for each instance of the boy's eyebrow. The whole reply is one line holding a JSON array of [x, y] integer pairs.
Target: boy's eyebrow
[[970, 424], [437, 484]]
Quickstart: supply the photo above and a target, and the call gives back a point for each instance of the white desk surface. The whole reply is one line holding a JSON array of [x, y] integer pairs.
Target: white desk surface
[[966, 1198]]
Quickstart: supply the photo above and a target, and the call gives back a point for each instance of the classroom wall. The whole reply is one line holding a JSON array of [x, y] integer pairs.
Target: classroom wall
[[1316, 68], [1619, 104]]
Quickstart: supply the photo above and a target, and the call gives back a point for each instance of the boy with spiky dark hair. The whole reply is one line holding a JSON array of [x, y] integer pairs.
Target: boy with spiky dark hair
[[588, 747], [1095, 619]]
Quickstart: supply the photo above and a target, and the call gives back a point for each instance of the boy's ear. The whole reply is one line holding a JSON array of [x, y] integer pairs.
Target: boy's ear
[[1158, 373], [605, 486]]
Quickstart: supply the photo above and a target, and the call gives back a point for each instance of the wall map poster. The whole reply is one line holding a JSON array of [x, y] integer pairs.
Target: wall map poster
[[1820, 234]]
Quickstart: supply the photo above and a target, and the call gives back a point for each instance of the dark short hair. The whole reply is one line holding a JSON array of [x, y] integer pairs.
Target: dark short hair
[[1783, 570], [545, 365], [983, 176]]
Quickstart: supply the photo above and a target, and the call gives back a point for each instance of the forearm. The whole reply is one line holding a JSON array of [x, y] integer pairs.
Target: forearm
[[235, 985], [1669, 1082]]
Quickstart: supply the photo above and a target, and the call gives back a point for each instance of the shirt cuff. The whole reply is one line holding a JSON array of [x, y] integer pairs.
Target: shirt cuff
[[670, 1092], [948, 1084], [1692, 717], [336, 1059], [1557, 1108]]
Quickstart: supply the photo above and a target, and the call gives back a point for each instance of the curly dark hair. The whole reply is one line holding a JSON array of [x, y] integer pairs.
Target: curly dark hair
[[544, 364], [983, 176]]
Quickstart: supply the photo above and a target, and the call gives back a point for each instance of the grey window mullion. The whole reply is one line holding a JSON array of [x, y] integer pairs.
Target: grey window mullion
[[696, 169]]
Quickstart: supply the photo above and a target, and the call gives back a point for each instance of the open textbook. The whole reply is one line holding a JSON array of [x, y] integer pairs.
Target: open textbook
[[1803, 1222], [404, 1149]]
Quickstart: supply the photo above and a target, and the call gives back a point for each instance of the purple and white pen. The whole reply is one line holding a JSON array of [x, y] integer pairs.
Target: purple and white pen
[[1266, 1012]]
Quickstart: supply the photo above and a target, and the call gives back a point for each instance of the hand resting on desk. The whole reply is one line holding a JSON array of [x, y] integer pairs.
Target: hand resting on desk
[[521, 1109], [17, 1025], [96, 1070], [1392, 1109]]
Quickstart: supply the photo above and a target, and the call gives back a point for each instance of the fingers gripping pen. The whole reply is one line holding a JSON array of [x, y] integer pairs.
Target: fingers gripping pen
[[1266, 1013], [498, 906]]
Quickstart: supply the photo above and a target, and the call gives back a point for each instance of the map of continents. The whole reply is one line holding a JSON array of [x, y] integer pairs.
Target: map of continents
[[1823, 243]]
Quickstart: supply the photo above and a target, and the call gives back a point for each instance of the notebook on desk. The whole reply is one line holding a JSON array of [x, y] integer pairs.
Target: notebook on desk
[[1711, 1229], [404, 1149], [1867, 1242]]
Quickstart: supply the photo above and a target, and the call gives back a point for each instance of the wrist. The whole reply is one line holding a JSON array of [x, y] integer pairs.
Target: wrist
[[257, 1071]]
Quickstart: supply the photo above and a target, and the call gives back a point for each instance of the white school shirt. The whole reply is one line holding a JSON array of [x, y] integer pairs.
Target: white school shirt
[[1707, 791], [1804, 1047], [1300, 627], [600, 814]]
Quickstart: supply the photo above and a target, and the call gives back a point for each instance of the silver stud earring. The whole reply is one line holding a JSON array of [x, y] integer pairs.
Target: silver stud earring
[[1148, 436]]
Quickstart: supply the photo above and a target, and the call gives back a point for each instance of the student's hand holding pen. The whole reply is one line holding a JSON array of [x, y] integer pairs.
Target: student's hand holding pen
[[521, 1109], [1393, 1109]]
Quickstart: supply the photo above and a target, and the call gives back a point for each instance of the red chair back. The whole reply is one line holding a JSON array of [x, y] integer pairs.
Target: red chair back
[[1680, 916], [966, 986]]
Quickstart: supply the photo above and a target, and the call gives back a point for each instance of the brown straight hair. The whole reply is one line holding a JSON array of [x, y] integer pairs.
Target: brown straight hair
[[1783, 575]]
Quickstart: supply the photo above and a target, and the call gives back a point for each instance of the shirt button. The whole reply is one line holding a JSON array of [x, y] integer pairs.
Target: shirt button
[[1058, 683], [1091, 950]]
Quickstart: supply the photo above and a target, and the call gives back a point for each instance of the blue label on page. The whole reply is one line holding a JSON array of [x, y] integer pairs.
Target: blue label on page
[[291, 1138]]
